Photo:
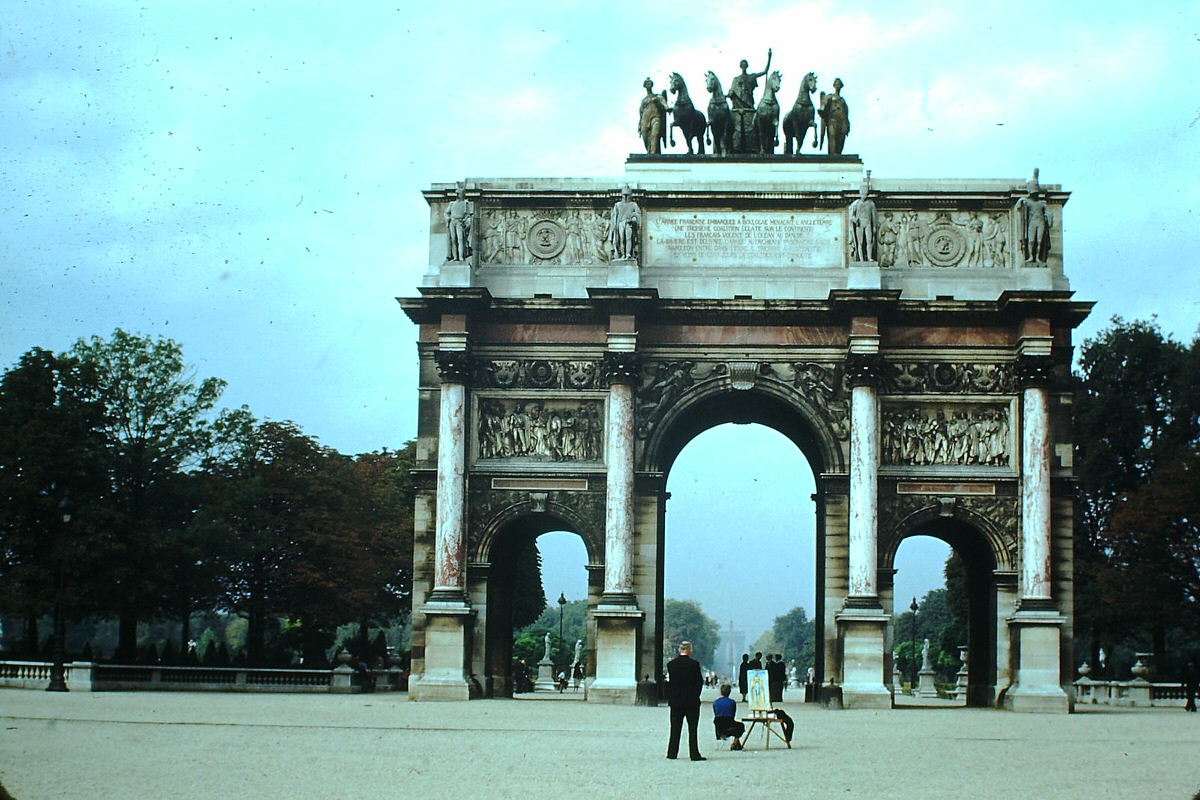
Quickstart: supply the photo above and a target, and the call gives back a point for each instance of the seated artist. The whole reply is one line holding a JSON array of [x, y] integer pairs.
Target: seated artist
[[725, 719]]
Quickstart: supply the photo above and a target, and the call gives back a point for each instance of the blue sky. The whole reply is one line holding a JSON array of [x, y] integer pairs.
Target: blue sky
[[245, 177]]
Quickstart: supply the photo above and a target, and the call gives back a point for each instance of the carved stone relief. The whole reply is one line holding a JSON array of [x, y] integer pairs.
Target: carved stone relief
[[540, 430], [1002, 513], [538, 373], [666, 382], [488, 508], [944, 239], [970, 434], [822, 385], [545, 236], [944, 378]]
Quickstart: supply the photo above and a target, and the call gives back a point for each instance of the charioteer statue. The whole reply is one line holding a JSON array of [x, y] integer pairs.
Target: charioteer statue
[[741, 97]]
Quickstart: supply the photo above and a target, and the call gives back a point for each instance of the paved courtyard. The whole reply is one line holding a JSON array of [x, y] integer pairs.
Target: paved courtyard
[[137, 746]]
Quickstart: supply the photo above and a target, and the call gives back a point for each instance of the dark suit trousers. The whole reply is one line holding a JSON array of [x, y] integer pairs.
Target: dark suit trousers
[[678, 713]]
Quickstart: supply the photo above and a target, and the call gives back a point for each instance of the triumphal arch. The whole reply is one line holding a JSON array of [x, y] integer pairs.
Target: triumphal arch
[[912, 337]]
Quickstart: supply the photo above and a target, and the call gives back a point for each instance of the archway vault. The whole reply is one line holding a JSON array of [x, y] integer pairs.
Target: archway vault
[[766, 400]]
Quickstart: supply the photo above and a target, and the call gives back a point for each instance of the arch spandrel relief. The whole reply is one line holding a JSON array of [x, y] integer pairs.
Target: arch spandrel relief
[[995, 517], [490, 511]]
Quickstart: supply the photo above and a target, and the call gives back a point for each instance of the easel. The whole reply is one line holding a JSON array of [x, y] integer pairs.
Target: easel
[[766, 719]]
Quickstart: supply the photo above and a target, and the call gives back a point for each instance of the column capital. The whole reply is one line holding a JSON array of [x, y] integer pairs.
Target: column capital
[[1034, 371], [454, 366], [864, 369], [622, 367]]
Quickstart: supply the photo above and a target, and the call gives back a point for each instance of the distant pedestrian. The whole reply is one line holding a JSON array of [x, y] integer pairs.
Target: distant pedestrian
[[684, 684], [745, 665], [1190, 680]]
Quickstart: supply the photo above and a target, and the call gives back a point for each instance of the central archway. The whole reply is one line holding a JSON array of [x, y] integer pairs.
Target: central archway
[[764, 400], [740, 537]]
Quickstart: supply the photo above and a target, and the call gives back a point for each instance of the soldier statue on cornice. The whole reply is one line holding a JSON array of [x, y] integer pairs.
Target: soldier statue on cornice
[[460, 216], [1035, 223], [863, 224], [624, 231]]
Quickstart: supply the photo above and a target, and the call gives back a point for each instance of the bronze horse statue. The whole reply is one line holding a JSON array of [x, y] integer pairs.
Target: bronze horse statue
[[691, 123], [766, 116], [720, 118], [802, 116]]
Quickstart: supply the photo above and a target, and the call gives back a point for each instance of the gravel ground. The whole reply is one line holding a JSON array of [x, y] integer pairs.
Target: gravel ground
[[345, 747]]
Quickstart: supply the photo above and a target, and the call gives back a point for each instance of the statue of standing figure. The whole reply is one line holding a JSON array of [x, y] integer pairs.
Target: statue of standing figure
[[1035, 223], [863, 224], [546, 652], [926, 663], [652, 118], [578, 652], [625, 223], [741, 97], [835, 119], [460, 216]]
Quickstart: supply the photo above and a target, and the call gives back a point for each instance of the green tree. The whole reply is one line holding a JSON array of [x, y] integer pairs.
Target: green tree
[[50, 449], [314, 536], [936, 622], [1137, 413], [156, 428], [529, 640], [684, 620], [794, 637]]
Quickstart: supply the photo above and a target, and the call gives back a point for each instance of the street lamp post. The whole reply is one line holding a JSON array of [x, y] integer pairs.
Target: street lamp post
[[58, 682], [913, 609], [562, 602]]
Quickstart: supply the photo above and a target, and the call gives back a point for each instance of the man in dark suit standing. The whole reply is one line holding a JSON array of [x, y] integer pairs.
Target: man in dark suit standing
[[684, 683]]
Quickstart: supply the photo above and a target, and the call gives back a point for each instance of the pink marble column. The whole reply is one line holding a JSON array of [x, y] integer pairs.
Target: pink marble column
[[864, 492], [618, 511], [449, 577], [618, 516], [1035, 495]]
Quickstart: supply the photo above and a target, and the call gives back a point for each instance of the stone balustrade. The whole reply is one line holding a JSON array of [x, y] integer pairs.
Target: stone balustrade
[[1136, 693], [85, 676]]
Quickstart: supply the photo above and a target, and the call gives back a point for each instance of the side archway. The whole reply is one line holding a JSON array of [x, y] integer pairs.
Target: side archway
[[979, 543], [496, 578]]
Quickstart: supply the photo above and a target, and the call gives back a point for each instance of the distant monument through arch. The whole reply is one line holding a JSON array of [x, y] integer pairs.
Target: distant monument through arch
[[576, 333]]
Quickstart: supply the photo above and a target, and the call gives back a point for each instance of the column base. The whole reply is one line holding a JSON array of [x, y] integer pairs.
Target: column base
[[447, 629], [862, 632], [1036, 686], [617, 633]]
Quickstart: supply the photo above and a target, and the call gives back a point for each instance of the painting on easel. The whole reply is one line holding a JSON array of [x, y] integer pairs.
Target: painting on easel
[[757, 694]]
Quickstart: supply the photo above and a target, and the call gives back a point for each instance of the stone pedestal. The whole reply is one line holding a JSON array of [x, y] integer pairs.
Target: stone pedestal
[[925, 686], [545, 679], [623, 274], [617, 634], [1036, 686], [960, 682], [863, 275], [862, 633], [446, 664]]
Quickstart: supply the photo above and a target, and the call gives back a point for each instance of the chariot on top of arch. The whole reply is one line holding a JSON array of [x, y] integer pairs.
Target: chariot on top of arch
[[738, 125]]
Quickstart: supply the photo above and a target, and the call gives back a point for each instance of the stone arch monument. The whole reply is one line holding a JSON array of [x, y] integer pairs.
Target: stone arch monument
[[915, 352]]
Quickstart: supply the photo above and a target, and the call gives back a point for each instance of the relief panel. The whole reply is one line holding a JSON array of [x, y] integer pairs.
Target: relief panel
[[538, 430], [946, 434]]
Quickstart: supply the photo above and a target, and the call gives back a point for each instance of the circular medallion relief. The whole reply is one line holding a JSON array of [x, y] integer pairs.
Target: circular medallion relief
[[944, 246], [546, 238]]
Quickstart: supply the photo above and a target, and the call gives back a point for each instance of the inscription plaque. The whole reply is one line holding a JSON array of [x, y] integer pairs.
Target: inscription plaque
[[764, 239]]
